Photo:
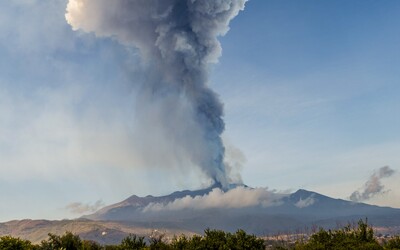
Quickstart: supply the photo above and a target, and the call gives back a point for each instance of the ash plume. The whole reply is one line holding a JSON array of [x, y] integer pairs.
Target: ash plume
[[373, 186], [177, 40]]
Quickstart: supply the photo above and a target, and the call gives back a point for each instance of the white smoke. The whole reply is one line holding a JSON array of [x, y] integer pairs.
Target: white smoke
[[373, 186], [234, 162], [177, 40], [306, 202], [239, 197], [82, 208]]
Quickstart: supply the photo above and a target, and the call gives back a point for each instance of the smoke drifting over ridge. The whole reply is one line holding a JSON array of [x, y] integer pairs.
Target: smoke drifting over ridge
[[81, 208], [238, 197], [373, 186], [177, 40]]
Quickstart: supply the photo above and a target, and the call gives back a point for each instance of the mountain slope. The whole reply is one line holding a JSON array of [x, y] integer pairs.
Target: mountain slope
[[295, 211], [134, 203], [103, 232]]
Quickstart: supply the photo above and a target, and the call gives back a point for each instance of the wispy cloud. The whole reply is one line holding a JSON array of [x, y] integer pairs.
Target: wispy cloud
[[373, 186], [82, 208]]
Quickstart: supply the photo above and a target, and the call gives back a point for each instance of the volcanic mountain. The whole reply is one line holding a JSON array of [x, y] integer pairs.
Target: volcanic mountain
[[296, 212], [299, 210]]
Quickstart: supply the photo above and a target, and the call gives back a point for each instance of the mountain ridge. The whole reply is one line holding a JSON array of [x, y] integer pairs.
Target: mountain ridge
[[296, 211], [301, 208]]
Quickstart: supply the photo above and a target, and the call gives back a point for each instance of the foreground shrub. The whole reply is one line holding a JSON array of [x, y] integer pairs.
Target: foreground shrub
[[358, 237], [216, 239], [393, 243], [11, 243], [68, 241], [91, 245], [132, 242], [361, 237]]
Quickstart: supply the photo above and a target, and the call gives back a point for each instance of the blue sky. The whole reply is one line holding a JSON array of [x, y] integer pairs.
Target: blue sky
[[310, 90]]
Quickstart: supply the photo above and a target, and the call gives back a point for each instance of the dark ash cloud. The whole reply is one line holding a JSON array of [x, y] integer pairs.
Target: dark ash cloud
[[178, 41]]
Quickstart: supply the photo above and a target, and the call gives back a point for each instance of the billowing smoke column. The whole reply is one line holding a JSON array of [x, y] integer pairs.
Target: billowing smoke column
[[177, 40]]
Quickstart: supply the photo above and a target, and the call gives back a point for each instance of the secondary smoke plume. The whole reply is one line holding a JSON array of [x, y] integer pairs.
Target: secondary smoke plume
[[373, 186], [81, 208], [177, 40]]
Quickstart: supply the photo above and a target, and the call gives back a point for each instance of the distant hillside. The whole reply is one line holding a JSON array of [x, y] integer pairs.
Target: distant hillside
[[104, 232]]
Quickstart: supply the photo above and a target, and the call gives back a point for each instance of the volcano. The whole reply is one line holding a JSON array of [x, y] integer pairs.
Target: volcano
[[290, 213], [295, 211]]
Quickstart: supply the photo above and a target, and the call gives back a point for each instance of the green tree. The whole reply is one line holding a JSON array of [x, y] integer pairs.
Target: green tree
[[68, 241], [243, 241], [361, 237], [217, 239], [393, 243], [157, 243], [181, 242], [214, 239], [185, 243], [90, 245], [11, 243], [132, 242]]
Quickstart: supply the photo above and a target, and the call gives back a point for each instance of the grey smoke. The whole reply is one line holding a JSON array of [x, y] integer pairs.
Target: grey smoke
[[234, 162], [82, 208], [177, 40], [373, 186]]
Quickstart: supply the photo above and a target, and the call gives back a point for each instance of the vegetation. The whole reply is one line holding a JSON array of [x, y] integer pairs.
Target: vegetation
[[215, 239], [356, 237], [212, 239], [393, 243], [10, 243], [360, 236]]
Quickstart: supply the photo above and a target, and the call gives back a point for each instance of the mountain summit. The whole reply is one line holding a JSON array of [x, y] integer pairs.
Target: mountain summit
[[256, 210], [289, 212]]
